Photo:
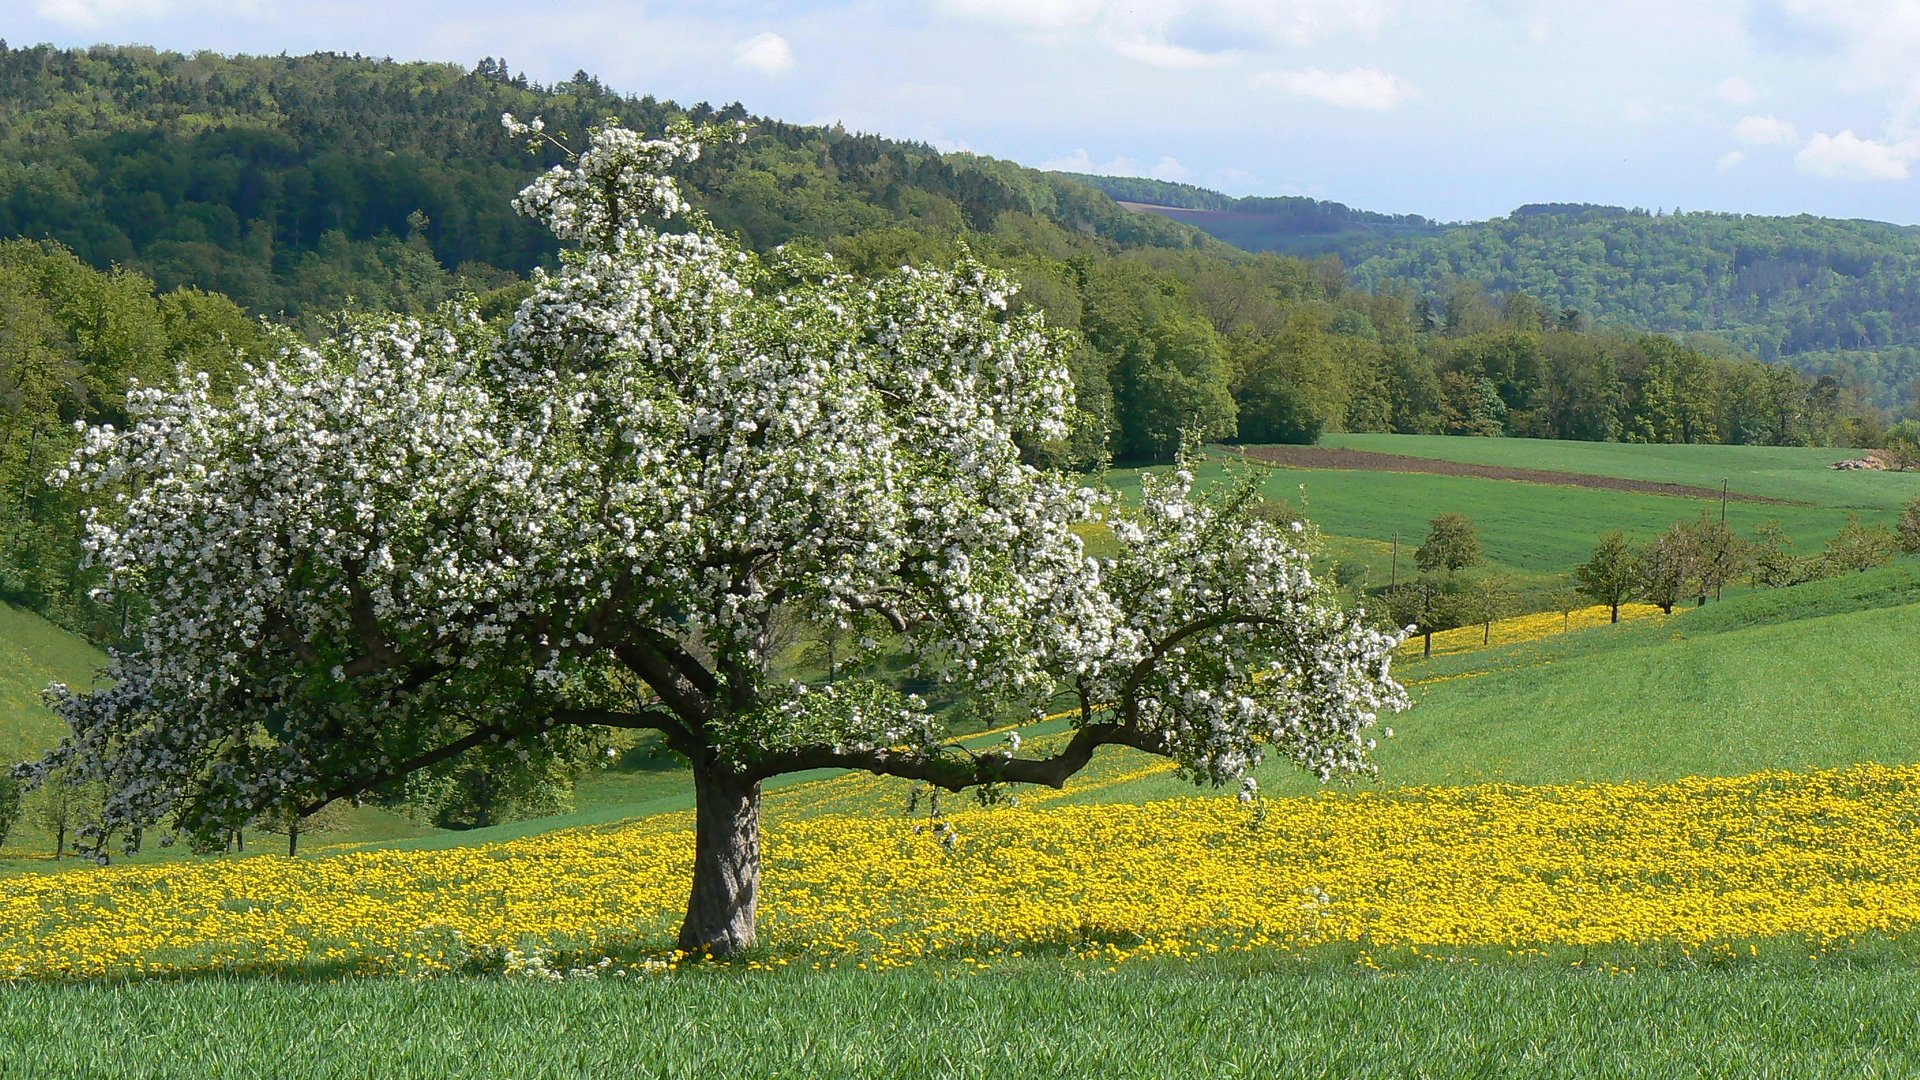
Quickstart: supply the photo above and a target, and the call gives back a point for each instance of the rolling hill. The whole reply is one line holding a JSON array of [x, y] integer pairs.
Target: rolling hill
[[1829, 296]]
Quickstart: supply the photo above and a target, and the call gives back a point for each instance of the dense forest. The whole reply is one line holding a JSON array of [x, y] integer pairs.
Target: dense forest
[[1831, 297], [161, 199]]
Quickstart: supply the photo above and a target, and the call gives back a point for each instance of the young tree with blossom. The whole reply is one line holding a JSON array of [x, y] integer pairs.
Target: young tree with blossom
[[430, 538]]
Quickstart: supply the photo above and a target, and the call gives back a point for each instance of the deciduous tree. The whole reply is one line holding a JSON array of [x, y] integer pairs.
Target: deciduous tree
[[426, 537], [1452, 544], [1669, 565], [1612, 575]]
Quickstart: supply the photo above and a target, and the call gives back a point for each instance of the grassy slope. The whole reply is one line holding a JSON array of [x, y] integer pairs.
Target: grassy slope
[[33, 653], [1532, 529], [1815, 676], [1799, 474]]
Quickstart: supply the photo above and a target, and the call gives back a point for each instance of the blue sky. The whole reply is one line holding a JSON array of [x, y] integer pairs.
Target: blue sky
[[1458, 109]]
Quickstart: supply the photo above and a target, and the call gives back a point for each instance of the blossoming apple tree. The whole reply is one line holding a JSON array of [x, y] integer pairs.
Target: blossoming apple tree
[[433, 537]]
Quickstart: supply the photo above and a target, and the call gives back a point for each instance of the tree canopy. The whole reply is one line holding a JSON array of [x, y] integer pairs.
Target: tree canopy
[[431, 537]]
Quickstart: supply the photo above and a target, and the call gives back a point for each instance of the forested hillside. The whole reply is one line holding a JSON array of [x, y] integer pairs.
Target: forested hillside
[[1291, 224], [151, 187], [72, 340], [295, 183], [1831, 297]]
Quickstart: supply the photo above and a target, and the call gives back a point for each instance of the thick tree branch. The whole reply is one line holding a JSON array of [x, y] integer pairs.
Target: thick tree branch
[[962, 769], [652, 719], [661, 720], [410, 765], [689, 702]]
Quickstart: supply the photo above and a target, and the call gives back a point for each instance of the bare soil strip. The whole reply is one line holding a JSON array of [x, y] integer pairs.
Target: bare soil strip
[[1320, 457]]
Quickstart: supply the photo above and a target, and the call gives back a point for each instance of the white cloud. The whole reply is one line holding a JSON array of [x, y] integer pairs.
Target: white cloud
[[1736, 91], [1161, 54], [767, 53], [1877, 39], [1539, 29], [1234, 179], [1360, 88], [1729, 160], [1050, 16], [1765, 131], [1167, 168], [1846, 156]]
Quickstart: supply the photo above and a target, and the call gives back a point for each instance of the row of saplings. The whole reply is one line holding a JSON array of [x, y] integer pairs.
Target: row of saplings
[[464, 795], [60, 808], [1690, 561]]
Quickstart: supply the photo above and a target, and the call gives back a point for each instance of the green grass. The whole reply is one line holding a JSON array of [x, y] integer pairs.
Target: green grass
[[1817, 676], [1536, 530], [1795, 473], [1271, 1015], [33, 653]]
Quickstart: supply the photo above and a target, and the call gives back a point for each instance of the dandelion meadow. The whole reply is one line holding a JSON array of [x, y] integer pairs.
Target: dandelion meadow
[[1699, 863], [697, 594]]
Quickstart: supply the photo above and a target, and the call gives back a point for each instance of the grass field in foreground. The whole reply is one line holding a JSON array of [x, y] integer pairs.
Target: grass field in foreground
[[1795, 473], [1780, 1015]]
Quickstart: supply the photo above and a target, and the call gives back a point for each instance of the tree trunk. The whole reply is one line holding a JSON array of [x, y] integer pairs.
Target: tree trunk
[[1616, 613], [726, 864], [1428, 649], [293, 838]]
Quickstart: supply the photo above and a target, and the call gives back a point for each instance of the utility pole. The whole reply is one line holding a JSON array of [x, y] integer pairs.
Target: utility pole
[[1723, 501]]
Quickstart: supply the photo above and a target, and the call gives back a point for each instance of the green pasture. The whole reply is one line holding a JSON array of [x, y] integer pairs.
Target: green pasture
[[1810, 677], [1817, 676], [1793, 473], [1534, 530], [1649, 1015], [33, 653]]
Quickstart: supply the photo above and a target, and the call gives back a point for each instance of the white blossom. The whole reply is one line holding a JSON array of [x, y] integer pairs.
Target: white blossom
[[427, 530]]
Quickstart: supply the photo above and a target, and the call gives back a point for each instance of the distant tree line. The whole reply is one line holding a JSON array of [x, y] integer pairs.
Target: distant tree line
[[299, 186]]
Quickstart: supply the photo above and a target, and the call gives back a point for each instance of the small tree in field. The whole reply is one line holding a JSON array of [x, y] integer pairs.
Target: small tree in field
[[1722, 556], [428, 537], [62, 804], [1902, 452], [1488, 599], [1425, 605], [287, 821], [1858, 547], [1771, 559], [1452, 545], [1670, 566], [1907, 533], [1612, 577], [13, 803]]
